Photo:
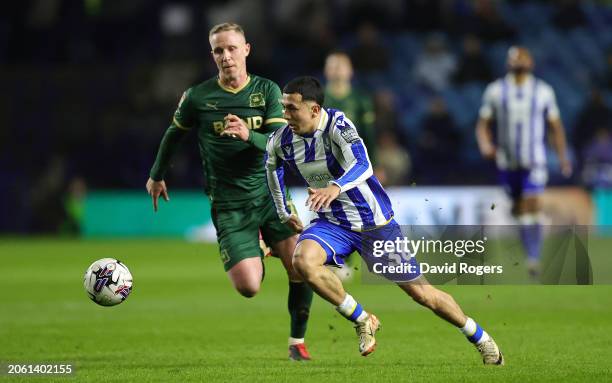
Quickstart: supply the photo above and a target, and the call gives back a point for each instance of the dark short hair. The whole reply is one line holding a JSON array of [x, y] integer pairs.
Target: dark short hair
[[309, 87]]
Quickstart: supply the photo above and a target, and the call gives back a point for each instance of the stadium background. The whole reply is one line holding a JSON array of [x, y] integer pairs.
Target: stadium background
[[90, 86]]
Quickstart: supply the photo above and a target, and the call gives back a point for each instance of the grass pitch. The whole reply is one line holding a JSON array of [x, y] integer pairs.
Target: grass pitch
[[184, 322]]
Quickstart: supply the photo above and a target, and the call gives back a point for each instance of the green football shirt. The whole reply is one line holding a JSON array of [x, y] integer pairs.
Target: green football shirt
[[234, 169]]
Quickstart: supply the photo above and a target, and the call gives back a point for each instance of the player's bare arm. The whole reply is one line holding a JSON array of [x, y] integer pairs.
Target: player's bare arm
[[322, 198], [559, 143], [484, 137], [155, 189]]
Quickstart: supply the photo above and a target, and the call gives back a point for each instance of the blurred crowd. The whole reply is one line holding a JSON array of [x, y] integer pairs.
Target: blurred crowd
[[90, 86]]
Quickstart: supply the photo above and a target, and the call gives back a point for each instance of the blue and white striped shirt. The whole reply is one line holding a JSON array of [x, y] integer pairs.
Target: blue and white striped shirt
[[334, 153], [521, 112]]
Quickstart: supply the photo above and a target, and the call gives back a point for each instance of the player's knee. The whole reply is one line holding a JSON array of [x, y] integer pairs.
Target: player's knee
[[299, 264], [248, 287], [248, 290], [302, 264]]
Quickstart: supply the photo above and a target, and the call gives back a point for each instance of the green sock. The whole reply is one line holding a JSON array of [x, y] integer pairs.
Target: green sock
[[298, 302]]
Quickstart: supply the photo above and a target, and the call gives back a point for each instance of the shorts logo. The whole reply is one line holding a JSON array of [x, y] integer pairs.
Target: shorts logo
[[256, 99], [225, 256]]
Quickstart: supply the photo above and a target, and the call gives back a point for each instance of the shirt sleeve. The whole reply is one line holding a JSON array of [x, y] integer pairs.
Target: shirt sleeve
[[487, 110], [275, 175], [182, 121], [354, 152], [184, 116], [551, 107], [274, 109], [168, 146]]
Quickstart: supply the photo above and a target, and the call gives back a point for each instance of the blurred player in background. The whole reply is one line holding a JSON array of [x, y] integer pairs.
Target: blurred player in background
[[233, 114], [522, 105], [323, 147], [340, 94]]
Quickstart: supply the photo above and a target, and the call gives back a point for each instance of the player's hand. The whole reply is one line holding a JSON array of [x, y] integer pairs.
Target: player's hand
[[295, 223], [155, 189], [235, 128], [488, 151], [566, 167], [322, 198]]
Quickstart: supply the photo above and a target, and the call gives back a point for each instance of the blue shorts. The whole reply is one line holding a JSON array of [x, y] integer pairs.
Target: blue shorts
[[339, 243], [521, 182]]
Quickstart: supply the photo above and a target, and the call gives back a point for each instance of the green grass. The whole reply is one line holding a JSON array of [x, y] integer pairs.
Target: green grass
[[184, 322]]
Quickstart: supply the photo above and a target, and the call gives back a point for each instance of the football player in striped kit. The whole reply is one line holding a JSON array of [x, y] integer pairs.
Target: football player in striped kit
[[323, 148], [522, 106]]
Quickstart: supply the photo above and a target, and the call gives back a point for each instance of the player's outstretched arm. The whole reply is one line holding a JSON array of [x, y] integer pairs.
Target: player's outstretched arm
[[559, 143], [169, 144], [484, 138], [155, 184], [155, 189]]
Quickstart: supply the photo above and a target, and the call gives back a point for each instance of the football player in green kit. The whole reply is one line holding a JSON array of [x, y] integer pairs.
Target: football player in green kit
[[233, 115], [341, 95]]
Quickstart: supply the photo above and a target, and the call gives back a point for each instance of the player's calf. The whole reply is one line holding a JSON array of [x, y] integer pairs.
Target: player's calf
[[443, 305]]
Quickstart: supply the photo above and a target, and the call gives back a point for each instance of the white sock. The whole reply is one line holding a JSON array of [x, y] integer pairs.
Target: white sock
[[294, 341], [530, 219], [471, 328], [362, 317], [349, 308]]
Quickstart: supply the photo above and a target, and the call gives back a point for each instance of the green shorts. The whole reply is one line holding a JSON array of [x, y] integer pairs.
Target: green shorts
[[238, 230]]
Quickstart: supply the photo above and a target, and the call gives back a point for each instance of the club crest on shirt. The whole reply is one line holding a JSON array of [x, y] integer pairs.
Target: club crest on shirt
[[256, 99]]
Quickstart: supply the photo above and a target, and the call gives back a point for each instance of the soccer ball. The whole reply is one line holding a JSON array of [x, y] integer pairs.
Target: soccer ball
[[344, 273], [108, 282]]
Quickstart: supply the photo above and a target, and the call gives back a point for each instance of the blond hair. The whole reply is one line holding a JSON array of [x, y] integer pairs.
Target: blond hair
[[224, 27]]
